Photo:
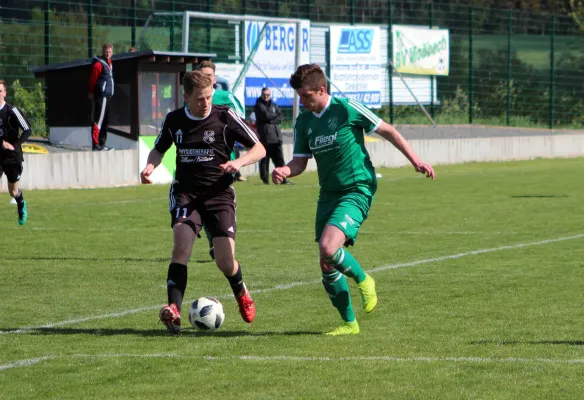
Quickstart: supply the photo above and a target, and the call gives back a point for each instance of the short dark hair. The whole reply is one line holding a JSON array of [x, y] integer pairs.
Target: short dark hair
[[264, 89], [206, 64], [195, 79], [310, 75]]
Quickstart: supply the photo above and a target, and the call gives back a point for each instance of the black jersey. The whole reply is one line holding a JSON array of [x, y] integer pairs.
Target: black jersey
[[12, 122], [202, 144]]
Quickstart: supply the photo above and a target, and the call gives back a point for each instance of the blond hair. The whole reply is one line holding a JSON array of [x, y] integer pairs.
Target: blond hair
[[195, 79]]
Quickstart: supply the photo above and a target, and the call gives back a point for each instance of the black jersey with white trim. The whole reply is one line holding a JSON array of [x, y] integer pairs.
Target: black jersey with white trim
[[14, 129], [202, 144]]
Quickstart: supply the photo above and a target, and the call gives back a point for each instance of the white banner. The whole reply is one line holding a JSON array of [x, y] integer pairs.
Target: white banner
[[276, 56], [230, 72], [421, 50], [356, 63]]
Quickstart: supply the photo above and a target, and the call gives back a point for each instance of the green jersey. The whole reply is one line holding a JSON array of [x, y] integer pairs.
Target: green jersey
[[225, 98], [335, 138]]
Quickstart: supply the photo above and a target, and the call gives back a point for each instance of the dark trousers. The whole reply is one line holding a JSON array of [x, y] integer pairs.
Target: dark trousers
[[99, 119], [274, 153]]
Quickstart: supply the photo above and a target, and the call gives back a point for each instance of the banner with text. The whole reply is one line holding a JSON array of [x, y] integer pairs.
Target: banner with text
[[420, 50], [356, 63], [276, 57]]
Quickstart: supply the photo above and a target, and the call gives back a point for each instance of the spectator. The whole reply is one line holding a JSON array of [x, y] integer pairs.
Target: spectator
[[101, 90], [268, 119]]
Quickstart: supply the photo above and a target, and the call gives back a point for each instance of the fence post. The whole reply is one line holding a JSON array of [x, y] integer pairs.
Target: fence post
[[389, 59], [509, 69], [308, 8], [470, 73], [209, 9], [171, 30], [552, 73], [47, 32], [432, 77], [352, 11], [133, 23], [90, 29]]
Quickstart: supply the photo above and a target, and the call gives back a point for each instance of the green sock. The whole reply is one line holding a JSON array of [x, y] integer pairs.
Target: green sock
[[209, 238], [344, 262], [337, 289]]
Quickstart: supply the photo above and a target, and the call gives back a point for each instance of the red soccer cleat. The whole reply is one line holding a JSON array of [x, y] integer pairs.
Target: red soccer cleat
[[170, 317], [247, 307]]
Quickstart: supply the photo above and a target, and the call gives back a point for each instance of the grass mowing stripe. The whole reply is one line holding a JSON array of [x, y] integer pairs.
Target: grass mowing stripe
[[252, 358], [301, 283]]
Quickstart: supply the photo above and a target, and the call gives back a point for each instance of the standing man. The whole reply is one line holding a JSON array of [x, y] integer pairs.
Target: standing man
[[222, 98], [101, 90], [12, 121], [202, 193], [331, 129], [268, 119]]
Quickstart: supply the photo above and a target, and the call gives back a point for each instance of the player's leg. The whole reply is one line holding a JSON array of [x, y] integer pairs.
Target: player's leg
[[342, 229], [219, 216], [13, 173], [186, 225]]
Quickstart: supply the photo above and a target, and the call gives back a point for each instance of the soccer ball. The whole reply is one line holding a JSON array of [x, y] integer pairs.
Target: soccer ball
[[206, 314]]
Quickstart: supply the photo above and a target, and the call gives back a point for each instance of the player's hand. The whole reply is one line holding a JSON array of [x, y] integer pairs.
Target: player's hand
[[280, 174], [427, 169], [230, 167], [145, 175], [7, 145]]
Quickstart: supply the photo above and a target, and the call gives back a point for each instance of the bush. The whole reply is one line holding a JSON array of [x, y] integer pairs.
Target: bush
[[32, 104]]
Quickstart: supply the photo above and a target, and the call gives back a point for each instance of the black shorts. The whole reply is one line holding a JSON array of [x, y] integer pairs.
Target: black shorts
[[12, 169], [216, 211]]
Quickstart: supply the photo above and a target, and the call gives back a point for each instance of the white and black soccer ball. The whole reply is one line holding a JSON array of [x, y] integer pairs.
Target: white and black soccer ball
[[206, 314]]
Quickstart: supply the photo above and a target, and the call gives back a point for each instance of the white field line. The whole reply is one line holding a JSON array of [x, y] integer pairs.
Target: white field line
[[253, 358], [302, 283]]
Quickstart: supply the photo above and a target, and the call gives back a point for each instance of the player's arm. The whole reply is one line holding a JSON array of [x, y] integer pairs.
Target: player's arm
[[391, 134], [23, 124], [294, 168], [238, 131], [161, 145]]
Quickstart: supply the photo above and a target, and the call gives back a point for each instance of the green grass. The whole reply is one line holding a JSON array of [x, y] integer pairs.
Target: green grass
[[506, 323]]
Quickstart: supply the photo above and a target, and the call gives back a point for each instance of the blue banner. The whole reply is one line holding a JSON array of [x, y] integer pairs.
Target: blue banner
[[282, 93]]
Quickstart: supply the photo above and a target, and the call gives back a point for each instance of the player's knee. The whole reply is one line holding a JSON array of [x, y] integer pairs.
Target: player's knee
[[327, 249], [324, 267]]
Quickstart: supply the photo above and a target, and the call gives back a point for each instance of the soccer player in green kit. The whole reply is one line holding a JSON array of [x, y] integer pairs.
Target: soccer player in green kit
[[331, 129], [221, 98]]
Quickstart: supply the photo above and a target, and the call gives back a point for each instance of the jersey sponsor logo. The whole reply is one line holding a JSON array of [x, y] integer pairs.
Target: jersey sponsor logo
[[324, 141], [209, 136], [196, 152]]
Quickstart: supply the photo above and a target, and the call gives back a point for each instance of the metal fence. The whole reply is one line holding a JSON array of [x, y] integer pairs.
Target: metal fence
[[507, 68]]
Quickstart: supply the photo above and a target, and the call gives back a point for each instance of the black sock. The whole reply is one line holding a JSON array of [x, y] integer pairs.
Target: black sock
[[19, 199], [236, 282], [176, 283]]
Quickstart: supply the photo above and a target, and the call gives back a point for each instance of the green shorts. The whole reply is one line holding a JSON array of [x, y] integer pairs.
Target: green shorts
[[347, 212]]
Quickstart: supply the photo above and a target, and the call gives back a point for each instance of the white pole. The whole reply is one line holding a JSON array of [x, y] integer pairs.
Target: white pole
[[295, 105], [185, 36]]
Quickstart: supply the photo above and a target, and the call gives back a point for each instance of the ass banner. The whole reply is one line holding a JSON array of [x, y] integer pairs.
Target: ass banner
[[276, 56], [356, 63], [420, 50]]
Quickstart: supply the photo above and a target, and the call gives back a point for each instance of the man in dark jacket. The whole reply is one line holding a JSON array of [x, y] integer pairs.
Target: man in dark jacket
[[101, 90], [268, 119]]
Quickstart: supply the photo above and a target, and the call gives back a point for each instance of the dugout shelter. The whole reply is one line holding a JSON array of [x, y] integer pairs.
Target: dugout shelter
[[147, 87]]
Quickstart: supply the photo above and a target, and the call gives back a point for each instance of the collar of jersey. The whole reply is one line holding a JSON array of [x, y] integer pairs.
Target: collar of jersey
[[2, 106], [328, 103], [193, 117]]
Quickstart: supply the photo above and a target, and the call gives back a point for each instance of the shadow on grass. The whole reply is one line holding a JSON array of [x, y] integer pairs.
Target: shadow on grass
[[539, 196], [147, 332], [119, 259], [514, 342]]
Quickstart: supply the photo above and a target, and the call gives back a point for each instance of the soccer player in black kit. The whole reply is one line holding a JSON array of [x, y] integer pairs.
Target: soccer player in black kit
[[202, 192], [12, 122]]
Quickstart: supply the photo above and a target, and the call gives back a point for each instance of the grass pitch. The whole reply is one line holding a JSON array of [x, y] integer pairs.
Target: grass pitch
[[479, 275]]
